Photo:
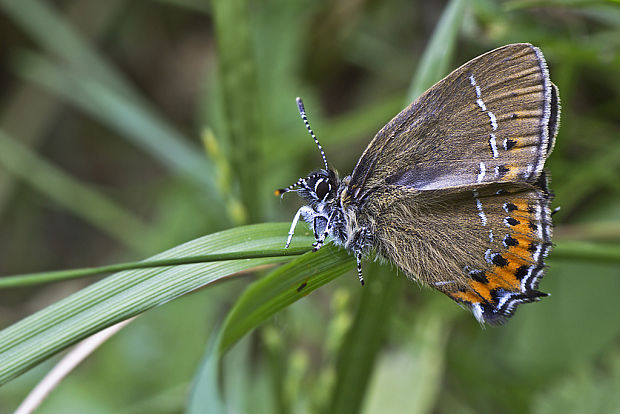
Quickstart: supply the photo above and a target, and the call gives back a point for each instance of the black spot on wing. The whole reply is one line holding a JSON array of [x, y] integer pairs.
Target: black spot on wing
[[499, 260], [521, 272], [502, 170], [510, 241], [479, 276], [509, 207], [510, 143]]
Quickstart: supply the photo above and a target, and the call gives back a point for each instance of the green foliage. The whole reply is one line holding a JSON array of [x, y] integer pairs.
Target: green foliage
[[126, 294], [148, 83]]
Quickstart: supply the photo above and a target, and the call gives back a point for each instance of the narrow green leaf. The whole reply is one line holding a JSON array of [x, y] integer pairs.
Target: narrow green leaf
[[126, 294], [205, 395], [58, 275], [240, 96], [587, 251], [282, 287], [129, 118], [581, 251], [39, 19], [75, 196], [92, 83], [438, 54], [412, 374], [357, 355], [263, 299]]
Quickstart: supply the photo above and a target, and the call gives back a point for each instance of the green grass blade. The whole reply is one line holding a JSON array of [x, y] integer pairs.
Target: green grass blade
[[39, 19], [240, 96], [438, 54], [205, 395], [358, 353], [133, 120], [75, 196], [580, 251], [126, 294], [413, 371], [587, 252], [282, 287], [260, 301], [26, 101], [103, 90], [55, 276]]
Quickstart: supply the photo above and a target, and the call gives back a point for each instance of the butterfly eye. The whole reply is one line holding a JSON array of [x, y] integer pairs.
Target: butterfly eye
[[321, 189]]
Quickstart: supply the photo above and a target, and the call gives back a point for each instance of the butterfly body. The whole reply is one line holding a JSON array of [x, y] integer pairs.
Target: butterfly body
[[452, 190]]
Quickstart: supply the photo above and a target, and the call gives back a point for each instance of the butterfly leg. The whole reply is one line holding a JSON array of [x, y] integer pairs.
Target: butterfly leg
[[358, 257], [360, 242], [319, 242], [306, 212]]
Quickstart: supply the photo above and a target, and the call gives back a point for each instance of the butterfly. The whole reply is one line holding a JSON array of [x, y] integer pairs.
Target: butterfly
[[452, 190]]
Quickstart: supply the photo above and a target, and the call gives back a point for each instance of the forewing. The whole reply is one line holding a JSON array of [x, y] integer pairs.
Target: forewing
[[482, 247], [494, 119]]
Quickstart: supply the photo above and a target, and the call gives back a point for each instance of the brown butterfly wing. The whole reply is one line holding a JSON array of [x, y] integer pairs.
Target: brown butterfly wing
[[479, 247], [493, 119], [454, 185]]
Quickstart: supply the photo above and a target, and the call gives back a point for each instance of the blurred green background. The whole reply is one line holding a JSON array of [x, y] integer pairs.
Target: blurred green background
[[129, 127]]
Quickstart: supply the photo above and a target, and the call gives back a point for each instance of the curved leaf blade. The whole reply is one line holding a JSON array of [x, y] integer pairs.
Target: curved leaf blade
[[128, 293], [261, 300], [282, 287]]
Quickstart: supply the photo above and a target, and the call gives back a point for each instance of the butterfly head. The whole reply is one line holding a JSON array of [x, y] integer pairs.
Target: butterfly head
[[321, 191], [319, 187]]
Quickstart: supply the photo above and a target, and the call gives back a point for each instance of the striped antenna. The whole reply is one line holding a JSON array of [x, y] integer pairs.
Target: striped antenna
[[302, 112], [280, 191]]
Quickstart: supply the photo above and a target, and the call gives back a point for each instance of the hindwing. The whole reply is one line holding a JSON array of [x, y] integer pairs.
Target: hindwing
[[484, 247]]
